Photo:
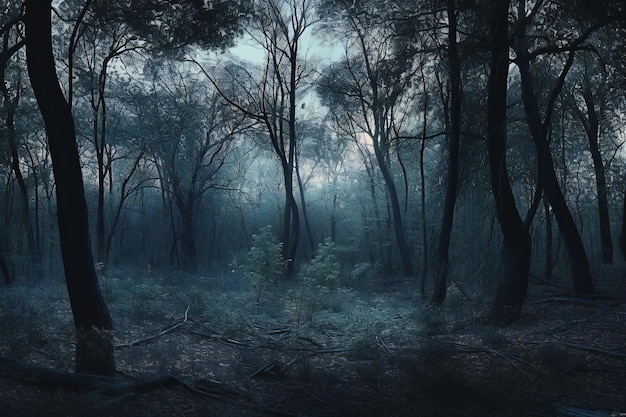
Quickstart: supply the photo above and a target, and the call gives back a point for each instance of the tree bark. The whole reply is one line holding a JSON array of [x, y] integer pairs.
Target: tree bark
[[622, 233], [443, 246], [4, 266], [547, 274], [592, 128], [94, 349], [305, 216], [403, 248], [579, 263], [516, 250]]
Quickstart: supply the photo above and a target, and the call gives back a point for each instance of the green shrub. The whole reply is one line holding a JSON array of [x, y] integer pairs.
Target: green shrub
[[263, 263], [317, 279], [323, 270], [366, 276]]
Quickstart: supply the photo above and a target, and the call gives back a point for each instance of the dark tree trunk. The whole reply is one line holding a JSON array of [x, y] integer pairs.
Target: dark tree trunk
[[305, 216], [443, 246], [549, 239], [405, 256], [592, 127], [622, 233], [100, 226], [422, 150], [579, 263], [185, 204], [94, 349], [4, 267], [291, 220], [19, 177], [333, 217], [124, 194], [517, 245]]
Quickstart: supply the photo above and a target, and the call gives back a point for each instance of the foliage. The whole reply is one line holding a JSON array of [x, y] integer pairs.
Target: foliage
[[318, 282], [365, 275], [171, 25], [263, 263], [324, 268]]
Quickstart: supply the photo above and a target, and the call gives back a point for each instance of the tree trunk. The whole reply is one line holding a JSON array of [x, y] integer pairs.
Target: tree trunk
[[517, 245], [425, 252], [579, 263], [407, 265], [94, 349], [305, 216], [622, 233], [547, 275], [185, 204], [291, 220], [592, 127], [4, 266], [9, 109], [100, 226], [443, 246]]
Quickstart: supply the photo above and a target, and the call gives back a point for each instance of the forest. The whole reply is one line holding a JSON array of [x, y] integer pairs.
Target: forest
[[312, 208]]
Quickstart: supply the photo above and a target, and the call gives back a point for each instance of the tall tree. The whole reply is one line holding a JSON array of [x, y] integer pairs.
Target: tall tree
[[195, 130], [11, 41], [590, 119], [368, 88], [539, 128], [272, 101], [94, 348], [516, 249], [121, 43], [454, 68]]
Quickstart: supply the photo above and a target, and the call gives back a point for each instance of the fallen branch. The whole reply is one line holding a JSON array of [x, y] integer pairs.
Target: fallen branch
[[38, 375], [595, 350], [156, 336], [466, 348], [588, 301]]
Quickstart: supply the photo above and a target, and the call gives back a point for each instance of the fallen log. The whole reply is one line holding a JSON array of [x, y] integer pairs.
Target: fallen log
[[37, 375]]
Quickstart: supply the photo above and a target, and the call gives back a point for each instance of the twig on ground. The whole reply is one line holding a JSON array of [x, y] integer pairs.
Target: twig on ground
[[156, 336], [595, 349]]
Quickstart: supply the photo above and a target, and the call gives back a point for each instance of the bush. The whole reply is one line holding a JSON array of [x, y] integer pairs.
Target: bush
[[317, 277], [366, 276], [323, 270], [263, 263]]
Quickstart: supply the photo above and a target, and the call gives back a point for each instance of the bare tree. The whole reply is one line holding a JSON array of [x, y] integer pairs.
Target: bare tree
[[94, 348], [516, 249], [272, 101], [366, 89]]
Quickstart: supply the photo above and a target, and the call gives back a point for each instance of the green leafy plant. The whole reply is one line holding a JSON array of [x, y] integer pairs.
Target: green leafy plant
[[263, 263], [324, 269], [366, 276], [317, 277]]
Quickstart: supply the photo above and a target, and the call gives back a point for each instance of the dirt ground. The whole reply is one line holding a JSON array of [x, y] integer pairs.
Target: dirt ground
[[337, 352]]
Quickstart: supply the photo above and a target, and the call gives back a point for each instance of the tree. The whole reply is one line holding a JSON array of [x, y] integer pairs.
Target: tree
[[367, 89], [195, 131], [12, 40], [120, 43], [170, 27], [272, 101], [539, 129], [454, 68], [94, 348], [517, 245], [590, 120]]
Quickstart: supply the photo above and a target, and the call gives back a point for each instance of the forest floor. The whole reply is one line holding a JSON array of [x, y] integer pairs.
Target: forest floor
[[338, 352]]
